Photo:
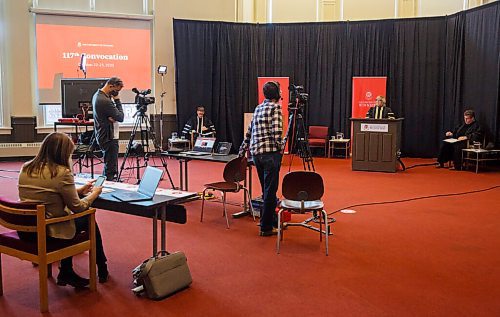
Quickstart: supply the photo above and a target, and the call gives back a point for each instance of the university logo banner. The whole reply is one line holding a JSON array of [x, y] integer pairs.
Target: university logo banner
[[364, 92]]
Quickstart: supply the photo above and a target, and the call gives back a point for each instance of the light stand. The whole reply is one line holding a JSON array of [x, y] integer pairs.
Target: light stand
[[162, 70], [83, 65]]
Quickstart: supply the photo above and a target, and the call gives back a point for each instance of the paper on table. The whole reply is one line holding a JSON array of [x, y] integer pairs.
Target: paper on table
[[451, 140]]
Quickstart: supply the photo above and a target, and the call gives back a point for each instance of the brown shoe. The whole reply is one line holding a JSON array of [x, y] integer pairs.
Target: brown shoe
[[269, 233]]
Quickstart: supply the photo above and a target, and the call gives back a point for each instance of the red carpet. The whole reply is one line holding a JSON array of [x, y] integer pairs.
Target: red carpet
[[430, 257]]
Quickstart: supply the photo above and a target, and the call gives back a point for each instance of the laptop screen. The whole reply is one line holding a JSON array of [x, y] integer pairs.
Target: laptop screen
[[204, 144], [150, 180]]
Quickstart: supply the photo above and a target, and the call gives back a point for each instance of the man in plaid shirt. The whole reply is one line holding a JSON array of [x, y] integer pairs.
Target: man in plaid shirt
[[265, 142]]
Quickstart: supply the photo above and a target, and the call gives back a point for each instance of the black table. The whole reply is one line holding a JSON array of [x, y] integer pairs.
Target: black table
[[183, 172], [157, 209]]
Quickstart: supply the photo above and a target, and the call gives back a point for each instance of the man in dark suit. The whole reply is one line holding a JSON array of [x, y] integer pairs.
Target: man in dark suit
[[469, 130], [199, 125], [380, 111]]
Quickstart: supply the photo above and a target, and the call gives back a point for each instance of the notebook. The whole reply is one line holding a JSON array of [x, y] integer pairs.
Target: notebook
[[202, 146], [147, 187]]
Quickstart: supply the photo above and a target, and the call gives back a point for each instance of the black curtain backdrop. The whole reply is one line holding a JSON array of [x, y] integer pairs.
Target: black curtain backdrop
[[436, 68]]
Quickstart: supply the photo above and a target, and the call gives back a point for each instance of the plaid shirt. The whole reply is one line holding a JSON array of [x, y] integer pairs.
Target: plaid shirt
[[264, 134]]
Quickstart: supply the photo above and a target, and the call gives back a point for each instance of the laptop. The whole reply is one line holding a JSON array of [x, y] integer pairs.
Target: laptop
[[223, 148], [202, 146], [147, 187]]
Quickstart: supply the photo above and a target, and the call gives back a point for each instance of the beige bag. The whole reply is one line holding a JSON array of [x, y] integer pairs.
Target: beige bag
[[162, 275]]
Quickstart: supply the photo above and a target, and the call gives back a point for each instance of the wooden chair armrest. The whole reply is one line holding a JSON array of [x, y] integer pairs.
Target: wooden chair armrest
[[70, 217]]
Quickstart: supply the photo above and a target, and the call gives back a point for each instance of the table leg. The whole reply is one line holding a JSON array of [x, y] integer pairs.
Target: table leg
[[181, 176], [186, 175], [164, 228], [477, 161], [155, 233], [246, 211]]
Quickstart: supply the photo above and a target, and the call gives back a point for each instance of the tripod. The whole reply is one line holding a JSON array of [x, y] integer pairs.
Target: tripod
[[299, 140], [147, 134]]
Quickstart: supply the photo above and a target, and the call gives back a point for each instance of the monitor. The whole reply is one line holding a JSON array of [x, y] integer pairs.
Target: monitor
[[77, 93]]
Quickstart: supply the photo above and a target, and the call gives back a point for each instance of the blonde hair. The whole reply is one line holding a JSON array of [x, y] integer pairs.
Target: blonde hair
[[382, 98], [55, 151]]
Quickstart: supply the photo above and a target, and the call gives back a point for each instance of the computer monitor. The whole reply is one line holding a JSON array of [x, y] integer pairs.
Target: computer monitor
[[78, 92]]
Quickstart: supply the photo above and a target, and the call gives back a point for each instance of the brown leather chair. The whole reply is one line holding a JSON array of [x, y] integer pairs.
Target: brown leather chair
[[302, 192], [234, 174], [318, 137], [30, 217]]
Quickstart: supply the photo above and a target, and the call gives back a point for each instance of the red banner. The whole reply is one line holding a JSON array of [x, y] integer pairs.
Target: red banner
[[364, 92], [284, 82]]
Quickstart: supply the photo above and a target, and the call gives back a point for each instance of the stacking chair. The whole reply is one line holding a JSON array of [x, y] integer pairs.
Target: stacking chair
[[318, 137], [234, 174], [302, 191], [30, 217]]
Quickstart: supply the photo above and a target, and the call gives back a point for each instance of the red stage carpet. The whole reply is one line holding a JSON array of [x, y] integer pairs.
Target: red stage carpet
[[429, 257]]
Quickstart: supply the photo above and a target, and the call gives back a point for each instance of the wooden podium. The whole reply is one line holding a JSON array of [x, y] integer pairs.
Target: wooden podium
[[375, 144]]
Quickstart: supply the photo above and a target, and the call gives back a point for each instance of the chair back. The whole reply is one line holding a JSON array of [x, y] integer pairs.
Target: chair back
[[235, 170], [303, 186], [318, 132], [20, 216]]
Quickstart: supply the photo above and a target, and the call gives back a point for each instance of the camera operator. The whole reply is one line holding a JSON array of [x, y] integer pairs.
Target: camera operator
[[108, 112], [264, 139]]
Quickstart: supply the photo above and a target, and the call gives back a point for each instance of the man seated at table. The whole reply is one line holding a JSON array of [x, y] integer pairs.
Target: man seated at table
[[198, 125], [380, 111], [469, 131]]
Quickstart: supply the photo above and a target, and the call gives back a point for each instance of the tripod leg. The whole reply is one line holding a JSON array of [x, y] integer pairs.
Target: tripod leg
[[164, 163], [129, 146], [157, 150]]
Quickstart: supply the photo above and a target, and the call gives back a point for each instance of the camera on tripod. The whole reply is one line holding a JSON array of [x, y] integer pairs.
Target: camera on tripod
[[141, 100], [298, 98]]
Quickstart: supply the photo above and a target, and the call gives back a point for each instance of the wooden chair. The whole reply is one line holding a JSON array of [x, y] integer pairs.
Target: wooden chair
[[234, 174], [318, 137], [30, 217], [302, 191]]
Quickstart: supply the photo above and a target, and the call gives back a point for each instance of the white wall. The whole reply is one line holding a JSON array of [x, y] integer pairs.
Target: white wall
[[294, 10], [366, 9], [441, 7]]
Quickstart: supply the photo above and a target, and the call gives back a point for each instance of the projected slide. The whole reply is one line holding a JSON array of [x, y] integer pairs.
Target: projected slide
[[122, 52]]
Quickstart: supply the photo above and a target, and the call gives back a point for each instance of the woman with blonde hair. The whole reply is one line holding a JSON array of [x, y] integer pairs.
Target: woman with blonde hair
[[48, 179]]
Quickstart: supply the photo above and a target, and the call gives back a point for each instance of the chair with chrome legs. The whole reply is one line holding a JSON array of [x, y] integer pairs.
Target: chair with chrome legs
[[234, 174], [302, 192]]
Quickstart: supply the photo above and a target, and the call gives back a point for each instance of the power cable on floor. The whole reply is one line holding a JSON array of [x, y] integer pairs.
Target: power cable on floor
[[415, 198]]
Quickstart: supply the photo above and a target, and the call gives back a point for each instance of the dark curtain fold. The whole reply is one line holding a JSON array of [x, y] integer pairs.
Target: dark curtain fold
[[436, 68]]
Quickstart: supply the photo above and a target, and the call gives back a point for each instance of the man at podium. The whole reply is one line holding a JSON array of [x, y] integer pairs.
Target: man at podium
[[380, 111]]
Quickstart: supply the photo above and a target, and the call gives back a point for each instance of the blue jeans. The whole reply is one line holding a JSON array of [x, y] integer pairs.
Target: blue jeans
[[268, 168]]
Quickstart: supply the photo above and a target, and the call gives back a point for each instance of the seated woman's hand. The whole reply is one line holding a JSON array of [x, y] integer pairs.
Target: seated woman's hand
[[97, 190], [85, 189]]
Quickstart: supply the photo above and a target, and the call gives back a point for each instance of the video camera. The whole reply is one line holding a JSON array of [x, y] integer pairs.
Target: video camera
[[141, 100], [298, 98]]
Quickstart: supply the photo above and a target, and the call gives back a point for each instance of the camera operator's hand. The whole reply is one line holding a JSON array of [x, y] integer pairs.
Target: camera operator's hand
[[110, 119]]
